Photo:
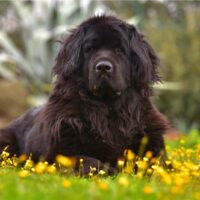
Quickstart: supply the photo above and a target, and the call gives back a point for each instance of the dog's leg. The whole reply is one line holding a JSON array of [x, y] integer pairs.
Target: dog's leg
[[13, 136], [85, 165], [8, 141]]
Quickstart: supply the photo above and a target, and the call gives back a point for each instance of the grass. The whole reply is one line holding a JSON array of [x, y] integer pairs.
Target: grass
[[43, 181], [54, 187]]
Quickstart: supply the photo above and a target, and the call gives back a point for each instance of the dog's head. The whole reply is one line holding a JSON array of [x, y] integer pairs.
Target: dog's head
[[109, 55]]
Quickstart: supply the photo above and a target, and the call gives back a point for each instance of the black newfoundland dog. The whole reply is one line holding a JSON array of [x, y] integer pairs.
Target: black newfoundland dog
[[100, 104]]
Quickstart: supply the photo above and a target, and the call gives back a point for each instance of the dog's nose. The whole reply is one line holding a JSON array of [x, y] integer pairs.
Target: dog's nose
[[104, 66]]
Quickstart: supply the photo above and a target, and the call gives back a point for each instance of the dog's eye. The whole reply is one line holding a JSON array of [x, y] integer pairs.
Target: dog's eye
[[118, 50], [89, 49]]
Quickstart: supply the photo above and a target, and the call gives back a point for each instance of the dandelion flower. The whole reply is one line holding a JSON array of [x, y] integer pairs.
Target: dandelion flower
[[147, 190], [29, 164], [130, 155], [24, 173], [123, 181], [4, 155], [40, 168], [51, 169], [67, 183], [22, 157], [175, 190], [103, 185], [120, 163], [149, 154], [64, 160], [102, 172]]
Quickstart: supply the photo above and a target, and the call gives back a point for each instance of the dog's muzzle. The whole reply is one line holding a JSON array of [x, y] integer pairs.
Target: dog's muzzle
[[104, 66]]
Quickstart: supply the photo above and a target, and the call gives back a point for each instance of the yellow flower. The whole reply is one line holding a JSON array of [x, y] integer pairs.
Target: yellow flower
[[29, 164], [145, 159], [14, 161], [24, 173], [22, 157], [139, 175], [90, 174], [64, 161], [130, 155], [102, 172], [51, 169], [40, 167], [149, 171], [147, 190], [120, 163], [175, 190], [168, 162], [167, 179], [123, 181], [128, 169], [179, 181], [3, 163], [142, 164], [103, 185], [148, 154], [4, 154], [67, 183], [92, 171], [9, 161]]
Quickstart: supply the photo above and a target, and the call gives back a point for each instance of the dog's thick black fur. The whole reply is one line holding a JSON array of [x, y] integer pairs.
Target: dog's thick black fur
[[100, 104]]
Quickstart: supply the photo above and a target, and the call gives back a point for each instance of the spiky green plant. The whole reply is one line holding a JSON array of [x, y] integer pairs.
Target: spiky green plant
[[40, 24]]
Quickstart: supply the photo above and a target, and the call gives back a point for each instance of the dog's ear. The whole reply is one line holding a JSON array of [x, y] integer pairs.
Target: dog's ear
[[68, 58], [144, 60]]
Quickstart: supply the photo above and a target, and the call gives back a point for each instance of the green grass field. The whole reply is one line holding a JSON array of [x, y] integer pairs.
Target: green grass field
[[41, 182]]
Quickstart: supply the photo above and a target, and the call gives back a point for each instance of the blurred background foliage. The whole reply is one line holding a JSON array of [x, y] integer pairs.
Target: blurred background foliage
[[29, 31]]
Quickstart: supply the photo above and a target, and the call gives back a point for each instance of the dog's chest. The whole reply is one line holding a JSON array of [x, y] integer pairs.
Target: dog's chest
[[102, 150], [107, 146]]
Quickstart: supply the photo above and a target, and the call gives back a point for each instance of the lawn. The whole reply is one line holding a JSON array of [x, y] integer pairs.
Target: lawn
[[43, 181]]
